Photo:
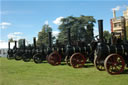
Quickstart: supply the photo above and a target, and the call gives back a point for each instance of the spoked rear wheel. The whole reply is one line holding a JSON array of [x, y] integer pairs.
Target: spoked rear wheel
[[26, 57], [99, 64], [114, 64], [38, 58], [77, 60], [18, 56], [54, 58], [67, 60]]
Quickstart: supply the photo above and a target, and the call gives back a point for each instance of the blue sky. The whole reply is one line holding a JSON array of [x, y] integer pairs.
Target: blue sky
[[25, 18]]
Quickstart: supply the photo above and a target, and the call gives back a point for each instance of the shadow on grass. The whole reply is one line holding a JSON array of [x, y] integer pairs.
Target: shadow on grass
[[125, 71], [44, 62], [63, 64], [88, 66]]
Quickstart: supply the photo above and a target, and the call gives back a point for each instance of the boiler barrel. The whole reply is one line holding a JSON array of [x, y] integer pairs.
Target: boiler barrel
[[104, 50]]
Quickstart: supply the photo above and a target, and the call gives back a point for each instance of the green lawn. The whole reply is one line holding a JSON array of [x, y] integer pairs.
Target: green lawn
[[20, 73]]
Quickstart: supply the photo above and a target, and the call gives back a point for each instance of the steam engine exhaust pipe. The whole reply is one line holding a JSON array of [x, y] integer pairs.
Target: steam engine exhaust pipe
[[34, 42], [69, 37], [24, 44], [50, 39], [9, 45], [100, 25], [15, 44]]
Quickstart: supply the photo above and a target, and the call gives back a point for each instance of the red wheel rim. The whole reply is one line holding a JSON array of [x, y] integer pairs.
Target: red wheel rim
[[99, 64], [37, 58], [114, 64], [67, 60], [54, 58], [77, 60]]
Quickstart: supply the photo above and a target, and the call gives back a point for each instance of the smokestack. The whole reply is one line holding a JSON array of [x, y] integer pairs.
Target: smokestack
[[34, 42], [50, 39], [100, 25], [15, 44], [8, 45], [114, 14], [24, 44], [69, 37]]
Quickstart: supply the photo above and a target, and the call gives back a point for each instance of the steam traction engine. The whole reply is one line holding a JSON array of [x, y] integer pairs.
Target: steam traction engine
[[11, 52], [20, 51], [27, 56], [39, 53], [75, 56], [111, 57], [54, 53], [42, 53]]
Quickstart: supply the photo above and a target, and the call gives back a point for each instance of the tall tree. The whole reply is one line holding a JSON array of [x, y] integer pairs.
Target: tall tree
[[107, 35], [81, 28], [11, 40], [43, 35]]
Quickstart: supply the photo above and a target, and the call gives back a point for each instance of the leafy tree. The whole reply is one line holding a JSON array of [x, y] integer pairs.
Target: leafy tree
[[43, 35], [107, 35], [78, 30], [11, 40]]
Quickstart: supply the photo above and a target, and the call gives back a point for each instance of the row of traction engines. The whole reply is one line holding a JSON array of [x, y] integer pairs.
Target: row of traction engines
[[110, 56]]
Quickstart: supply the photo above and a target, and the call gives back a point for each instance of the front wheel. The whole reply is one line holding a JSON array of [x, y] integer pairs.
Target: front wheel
[[77, 60], [67, 60], [26, 57], [54, 58], [99, 64], [38, 58], [18, 56], [114, 64]]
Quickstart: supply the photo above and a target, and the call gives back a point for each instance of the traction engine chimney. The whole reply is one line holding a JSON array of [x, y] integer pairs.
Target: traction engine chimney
[[100, 25], [50, 39]]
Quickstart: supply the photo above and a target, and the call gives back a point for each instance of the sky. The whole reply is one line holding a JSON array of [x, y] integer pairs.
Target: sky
[[25, 18]]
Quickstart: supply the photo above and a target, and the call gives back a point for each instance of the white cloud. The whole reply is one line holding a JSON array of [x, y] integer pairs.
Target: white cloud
[[4, 25], [4, 44], [117, 8], [58, 20], [55, 33], [15, 35]]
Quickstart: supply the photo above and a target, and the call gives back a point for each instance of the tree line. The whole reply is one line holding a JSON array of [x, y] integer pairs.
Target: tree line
[[81, 27], [81, 30]]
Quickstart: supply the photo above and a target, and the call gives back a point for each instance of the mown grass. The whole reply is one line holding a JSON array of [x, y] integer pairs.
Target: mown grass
[[21, 73]]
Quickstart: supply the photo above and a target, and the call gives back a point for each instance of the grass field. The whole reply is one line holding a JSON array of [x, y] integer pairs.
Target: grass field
[[20, 73]]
